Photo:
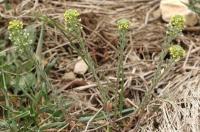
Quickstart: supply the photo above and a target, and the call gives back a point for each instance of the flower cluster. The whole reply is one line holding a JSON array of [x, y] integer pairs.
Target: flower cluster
[[176, 52], [71, 15], [71, 18], [19, 36], [123, 24], [177, 22], [176, 25], [15, 25]]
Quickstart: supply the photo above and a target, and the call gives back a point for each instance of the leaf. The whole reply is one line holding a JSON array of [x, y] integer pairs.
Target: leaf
[[52, 125], [40, 43], [28, 80], [27, 66], [32, 32]]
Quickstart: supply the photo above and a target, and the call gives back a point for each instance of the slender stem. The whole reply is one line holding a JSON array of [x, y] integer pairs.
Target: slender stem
[[157, 76], [75, 33], [120, 71], [85, 55], [4, 90]]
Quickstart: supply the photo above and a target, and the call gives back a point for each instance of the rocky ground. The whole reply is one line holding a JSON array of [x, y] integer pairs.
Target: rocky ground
[[177, 95]]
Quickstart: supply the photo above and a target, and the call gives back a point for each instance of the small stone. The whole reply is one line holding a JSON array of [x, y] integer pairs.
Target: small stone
[[156, 14], [171, 8], [80, 67], [69, 76]]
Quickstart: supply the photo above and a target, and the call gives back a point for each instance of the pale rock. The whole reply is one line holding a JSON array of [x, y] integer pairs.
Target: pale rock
[[69, 76], [156, 14], [80, 67], [170, 8]]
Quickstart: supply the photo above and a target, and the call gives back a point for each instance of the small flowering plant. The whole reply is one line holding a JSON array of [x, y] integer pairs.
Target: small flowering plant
[[176, 52], [19, 37], [73, 29], [175, 27], [22, 72], [72, 21], [123, 26]]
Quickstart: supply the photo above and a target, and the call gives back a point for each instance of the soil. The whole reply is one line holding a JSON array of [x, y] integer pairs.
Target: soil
[[146, 36]]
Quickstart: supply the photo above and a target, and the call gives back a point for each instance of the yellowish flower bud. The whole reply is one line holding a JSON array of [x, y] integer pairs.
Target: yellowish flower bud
[[123, 24]]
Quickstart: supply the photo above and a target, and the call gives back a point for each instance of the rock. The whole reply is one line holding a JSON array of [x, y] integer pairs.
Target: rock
[[170, 8], [69, 76], [156, 14], [80, 67]]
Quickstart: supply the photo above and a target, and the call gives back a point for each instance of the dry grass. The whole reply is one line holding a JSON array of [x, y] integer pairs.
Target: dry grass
[[175, 106]]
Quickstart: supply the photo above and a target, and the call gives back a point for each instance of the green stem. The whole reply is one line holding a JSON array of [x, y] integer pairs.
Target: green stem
[[120, 71], [85, 55], [5, 92], [158, 75], [102, 116], [76, 34]]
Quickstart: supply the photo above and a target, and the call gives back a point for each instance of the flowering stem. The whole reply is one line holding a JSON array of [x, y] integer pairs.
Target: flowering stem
[[175, 28], [120, 69], [85, 55], [73, 32], [123, 25]]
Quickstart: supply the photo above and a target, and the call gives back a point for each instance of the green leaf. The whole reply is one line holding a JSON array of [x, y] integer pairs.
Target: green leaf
[[32, 31], [28, 80], [27, 66], [53, 125]]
